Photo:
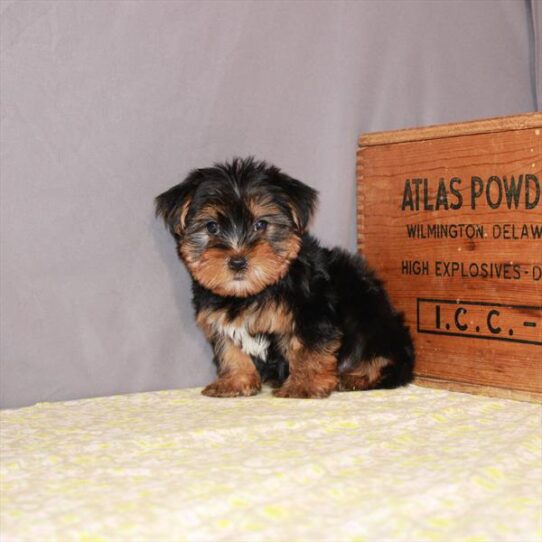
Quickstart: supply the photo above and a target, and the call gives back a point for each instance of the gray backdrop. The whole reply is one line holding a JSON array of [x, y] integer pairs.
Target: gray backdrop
[[106, 104]]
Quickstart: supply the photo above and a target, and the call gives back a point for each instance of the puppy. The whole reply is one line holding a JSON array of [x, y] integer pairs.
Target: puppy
[[273, 303]]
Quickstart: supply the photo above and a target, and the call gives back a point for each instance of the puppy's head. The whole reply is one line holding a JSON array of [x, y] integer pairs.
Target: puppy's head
[[238, 225]]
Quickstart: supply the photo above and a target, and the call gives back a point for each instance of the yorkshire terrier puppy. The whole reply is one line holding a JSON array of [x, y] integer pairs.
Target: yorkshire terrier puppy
[[273, 303]]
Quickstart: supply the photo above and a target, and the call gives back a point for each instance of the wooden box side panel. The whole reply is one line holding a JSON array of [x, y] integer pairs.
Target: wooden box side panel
[[489, 279], [456, 129]]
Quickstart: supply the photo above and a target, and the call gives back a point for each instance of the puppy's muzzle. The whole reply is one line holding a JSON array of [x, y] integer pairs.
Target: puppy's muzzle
[[237, 263]]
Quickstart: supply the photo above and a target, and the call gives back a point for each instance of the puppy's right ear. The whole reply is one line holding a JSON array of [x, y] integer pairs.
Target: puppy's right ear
[[173, 205]]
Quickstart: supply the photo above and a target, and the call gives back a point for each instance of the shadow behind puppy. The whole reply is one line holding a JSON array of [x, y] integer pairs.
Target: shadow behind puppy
[[273, 303]]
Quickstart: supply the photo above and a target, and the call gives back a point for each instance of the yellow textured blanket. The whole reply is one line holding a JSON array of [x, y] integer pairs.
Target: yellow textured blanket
[[408, 464]]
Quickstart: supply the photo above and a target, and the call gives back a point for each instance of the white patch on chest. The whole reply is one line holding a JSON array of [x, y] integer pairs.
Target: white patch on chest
[[253, 345]]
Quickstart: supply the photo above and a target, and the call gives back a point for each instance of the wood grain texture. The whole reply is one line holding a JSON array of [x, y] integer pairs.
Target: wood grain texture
[[496, 124], [469, 278]]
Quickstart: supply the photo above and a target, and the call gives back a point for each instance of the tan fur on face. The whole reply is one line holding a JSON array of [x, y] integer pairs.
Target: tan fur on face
[[262, 207], [364, 377], [266, 266], [181, 225], [211, 269], [188, 251], [268, 261]]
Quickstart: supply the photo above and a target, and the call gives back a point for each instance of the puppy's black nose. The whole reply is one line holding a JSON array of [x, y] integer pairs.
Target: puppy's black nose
[[237, 263]]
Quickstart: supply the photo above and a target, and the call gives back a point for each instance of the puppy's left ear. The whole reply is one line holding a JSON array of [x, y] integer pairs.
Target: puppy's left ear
[[173, 205], [302, 200]]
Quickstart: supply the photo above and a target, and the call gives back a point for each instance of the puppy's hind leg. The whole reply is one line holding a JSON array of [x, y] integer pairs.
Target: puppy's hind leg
[[367, 375], [313, 371]]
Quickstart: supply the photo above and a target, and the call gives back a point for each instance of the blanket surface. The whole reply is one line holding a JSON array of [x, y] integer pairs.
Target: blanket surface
[[408, 464]]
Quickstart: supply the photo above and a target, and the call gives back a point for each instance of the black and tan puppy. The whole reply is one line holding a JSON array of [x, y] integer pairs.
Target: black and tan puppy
[[273, 303]]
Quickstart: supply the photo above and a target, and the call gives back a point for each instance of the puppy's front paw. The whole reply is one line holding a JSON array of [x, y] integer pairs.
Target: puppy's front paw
[[303, 390], [230, 387]]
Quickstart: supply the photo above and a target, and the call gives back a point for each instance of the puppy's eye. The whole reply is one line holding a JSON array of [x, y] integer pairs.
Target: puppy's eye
[[261, 225], [212, 227]]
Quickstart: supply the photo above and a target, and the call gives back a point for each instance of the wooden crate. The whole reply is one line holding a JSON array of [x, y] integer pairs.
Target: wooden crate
[[451, 218]]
